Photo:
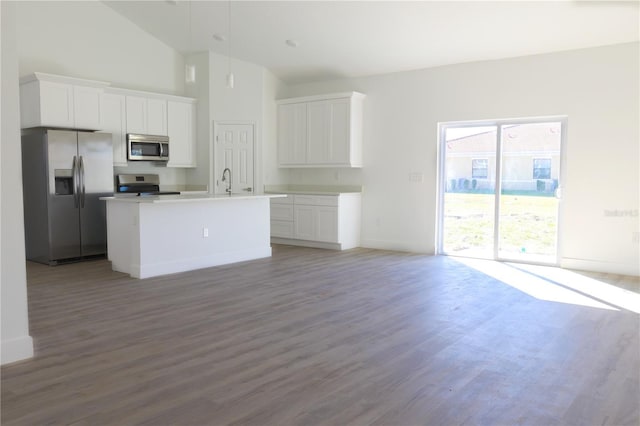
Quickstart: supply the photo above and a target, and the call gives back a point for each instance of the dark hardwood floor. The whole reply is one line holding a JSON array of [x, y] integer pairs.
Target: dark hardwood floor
[[319, 337]]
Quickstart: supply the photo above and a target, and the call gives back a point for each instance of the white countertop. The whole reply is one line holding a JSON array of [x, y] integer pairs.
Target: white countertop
[[312, 189], [186, 198]]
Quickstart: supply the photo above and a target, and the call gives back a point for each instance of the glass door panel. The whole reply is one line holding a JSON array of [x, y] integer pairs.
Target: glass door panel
[[529, 179], [468, 212]]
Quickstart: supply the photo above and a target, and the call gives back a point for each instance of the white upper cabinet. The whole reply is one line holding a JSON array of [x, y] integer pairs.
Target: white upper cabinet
[[321, 131], [181, 128], [48, 100], [146, 115], [114, 120], [86, 101], [292, 134]]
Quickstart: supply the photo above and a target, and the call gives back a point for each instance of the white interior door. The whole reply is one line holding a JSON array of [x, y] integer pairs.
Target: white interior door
[[234, 149]]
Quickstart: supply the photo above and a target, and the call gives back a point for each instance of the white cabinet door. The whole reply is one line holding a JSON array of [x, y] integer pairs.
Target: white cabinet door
[[181, 131], [113, 120], [56, 104], [86, 102], [317, 132], [326, 224], [282, 228], [292, 134], [320, 131], [304, 222], [146, 115], [136, 114], [338, 138], [157, 117], [48, 100]]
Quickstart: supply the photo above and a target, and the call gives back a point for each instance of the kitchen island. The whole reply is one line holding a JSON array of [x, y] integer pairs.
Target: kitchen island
[[156, 235]]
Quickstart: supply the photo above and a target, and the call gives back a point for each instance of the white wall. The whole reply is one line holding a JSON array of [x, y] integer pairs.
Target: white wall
[[273, 89], [16, 344], [87, 39], [596, 88], [251, 100], [201, 89], [244, 103]]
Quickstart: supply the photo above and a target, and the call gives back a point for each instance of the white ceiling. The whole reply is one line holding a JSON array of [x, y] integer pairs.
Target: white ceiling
[[340, 39]]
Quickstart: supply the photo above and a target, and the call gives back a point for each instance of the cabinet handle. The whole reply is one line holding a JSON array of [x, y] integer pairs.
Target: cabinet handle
[[248, 189]]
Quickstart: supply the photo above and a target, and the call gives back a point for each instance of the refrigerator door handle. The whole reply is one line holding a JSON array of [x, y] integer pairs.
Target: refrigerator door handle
[[81, 172], [76, 183]]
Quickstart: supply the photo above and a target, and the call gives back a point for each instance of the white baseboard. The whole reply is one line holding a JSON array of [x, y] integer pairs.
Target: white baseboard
[[16, 349], [396, 246], [189, 264], [305, 243], [597, 266]]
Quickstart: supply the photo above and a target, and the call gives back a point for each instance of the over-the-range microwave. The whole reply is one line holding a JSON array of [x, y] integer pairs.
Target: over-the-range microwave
[[147, 147]]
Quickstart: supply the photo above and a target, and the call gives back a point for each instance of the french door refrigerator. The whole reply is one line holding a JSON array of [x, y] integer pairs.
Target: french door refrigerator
[[65, 172]]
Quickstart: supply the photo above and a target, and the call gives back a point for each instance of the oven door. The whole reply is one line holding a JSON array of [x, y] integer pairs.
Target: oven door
[[147, 150]]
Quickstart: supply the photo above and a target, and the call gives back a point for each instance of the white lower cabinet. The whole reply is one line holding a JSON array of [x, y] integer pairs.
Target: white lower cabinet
[[325, 221]]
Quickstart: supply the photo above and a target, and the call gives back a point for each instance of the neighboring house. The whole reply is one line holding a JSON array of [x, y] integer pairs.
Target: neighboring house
[[531, 159]]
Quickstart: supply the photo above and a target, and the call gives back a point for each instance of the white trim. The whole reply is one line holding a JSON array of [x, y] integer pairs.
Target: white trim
[[356, 95], [16, 349], [497, 194], [306, 243], [41, 76], [395, 246], [189, 264], [599, 266], [154, 95]]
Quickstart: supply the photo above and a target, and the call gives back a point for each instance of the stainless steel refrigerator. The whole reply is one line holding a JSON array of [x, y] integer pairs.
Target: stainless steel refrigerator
[[64, 173]]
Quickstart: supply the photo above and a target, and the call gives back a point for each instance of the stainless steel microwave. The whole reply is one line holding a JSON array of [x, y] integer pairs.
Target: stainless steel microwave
[[147, 147]]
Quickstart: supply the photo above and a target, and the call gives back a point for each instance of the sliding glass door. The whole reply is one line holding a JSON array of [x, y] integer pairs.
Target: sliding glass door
[[499, 188]]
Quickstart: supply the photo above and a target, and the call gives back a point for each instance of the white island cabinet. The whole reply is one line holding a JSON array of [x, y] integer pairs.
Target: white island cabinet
[[151, 236]]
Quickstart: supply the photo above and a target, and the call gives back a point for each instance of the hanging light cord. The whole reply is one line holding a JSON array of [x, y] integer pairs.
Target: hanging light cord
[[229, 38]]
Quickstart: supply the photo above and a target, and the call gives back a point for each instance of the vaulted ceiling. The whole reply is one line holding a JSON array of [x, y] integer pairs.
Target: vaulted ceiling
[[338, 39]]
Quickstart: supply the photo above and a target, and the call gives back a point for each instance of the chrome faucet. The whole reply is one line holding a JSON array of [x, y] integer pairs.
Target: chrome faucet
[[224, 178]]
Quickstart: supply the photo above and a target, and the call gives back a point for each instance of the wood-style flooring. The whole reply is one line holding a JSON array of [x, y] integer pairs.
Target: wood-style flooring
[[313, 336]]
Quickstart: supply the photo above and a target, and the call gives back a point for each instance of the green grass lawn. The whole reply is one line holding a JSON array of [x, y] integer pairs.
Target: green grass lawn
[[527, 223]]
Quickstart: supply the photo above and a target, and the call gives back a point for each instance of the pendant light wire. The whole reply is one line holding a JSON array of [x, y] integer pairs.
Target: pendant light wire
[[190, 70], [230, 78]]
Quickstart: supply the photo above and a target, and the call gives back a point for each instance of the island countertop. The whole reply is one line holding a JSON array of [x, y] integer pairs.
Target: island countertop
[[186, 198]]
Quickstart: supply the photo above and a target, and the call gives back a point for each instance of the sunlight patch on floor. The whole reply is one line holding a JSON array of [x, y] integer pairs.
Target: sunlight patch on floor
[[567, 288], [605, 292]]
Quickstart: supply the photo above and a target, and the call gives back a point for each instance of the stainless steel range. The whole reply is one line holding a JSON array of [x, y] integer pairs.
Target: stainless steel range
[[141, 185]]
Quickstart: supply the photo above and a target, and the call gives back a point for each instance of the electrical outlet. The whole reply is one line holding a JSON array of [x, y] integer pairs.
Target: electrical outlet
[[416, 177], [205, 232]]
